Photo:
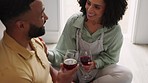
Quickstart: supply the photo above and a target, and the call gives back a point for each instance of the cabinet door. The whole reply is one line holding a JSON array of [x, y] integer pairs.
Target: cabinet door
[[53, 24]]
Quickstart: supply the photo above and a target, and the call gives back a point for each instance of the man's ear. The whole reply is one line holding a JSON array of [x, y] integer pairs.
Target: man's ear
[[20, 24]]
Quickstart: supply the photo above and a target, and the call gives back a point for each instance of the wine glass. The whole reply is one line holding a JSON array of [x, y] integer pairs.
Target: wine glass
[[70, 59], [85, 57]]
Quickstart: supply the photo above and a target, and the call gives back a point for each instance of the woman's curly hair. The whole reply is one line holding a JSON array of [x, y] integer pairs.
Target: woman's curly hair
[[114, 11]]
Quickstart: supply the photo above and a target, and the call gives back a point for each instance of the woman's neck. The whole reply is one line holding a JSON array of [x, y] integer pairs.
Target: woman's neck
[[92, 26]]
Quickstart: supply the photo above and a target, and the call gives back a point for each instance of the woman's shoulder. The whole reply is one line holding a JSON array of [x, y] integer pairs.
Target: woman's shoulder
[[75, 16], [115, 28]]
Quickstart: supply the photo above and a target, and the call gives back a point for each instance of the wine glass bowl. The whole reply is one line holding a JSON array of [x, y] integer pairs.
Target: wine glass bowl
[[70, 59], [70, 63], [85, 59]]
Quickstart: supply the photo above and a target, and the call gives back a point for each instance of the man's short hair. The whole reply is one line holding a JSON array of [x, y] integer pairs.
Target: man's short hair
[[10, 9]]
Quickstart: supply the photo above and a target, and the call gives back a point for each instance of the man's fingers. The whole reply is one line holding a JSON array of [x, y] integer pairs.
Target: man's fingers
[[72, 71]]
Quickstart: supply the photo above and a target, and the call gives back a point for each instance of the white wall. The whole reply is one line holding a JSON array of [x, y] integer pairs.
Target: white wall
[[58, 12], [53, 25], [139, 21], [2, 28]]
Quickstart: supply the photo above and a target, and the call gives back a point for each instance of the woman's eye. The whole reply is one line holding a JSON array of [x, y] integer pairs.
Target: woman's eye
[[97, 7], [88, 3]]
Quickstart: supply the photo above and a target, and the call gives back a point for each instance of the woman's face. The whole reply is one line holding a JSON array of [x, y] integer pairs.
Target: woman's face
[[94, 9]]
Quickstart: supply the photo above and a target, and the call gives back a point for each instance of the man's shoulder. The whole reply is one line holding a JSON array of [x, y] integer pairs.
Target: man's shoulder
[[38, 41]]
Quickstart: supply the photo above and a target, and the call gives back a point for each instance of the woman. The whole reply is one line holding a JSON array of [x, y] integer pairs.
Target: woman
[[95, 29]]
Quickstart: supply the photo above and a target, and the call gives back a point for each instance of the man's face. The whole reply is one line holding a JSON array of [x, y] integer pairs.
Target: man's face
[[36, 19]]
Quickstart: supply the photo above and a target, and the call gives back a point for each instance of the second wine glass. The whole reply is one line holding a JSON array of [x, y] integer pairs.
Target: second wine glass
[[85, 57]]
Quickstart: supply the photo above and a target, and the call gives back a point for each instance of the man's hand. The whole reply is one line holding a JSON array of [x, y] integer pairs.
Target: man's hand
[[66, 76]]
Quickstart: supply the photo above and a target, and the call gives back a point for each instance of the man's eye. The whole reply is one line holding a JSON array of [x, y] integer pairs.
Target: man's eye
[[42, 15]]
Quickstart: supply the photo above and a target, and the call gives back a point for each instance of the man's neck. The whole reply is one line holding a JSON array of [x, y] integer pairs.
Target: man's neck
[[21, 39]]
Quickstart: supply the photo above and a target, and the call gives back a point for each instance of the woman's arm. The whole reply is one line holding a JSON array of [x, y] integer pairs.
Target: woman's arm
[[112, 44]]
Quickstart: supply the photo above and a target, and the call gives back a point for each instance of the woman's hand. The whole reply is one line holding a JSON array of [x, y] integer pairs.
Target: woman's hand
[[89, 67]]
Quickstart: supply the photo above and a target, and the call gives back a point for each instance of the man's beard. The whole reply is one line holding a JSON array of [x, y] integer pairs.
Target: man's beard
[[36, 31]]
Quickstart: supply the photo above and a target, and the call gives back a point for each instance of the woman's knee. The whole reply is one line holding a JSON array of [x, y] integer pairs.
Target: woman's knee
[[126, 75], [119, 73], [123, 74]]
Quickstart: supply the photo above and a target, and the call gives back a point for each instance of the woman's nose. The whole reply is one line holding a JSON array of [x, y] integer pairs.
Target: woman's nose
[[90, 8]]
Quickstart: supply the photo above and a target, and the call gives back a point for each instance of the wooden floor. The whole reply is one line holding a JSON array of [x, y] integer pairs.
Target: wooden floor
[[135, 57]]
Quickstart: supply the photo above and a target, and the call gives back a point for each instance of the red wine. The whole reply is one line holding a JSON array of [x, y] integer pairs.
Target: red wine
[[70, 63], [85, 59]]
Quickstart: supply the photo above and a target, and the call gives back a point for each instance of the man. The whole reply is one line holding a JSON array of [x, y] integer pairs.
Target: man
[[22, 54]]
